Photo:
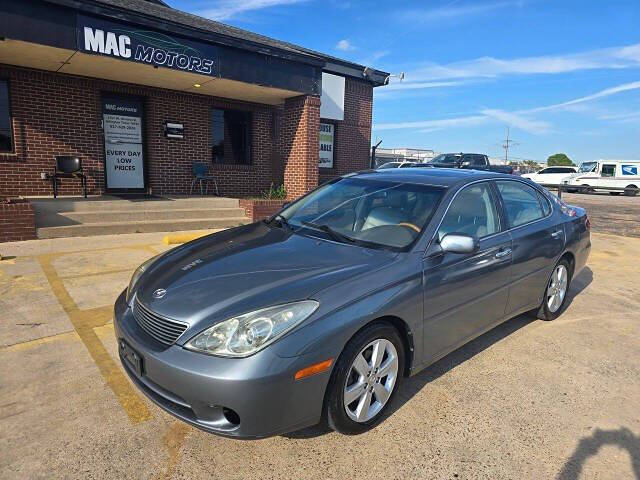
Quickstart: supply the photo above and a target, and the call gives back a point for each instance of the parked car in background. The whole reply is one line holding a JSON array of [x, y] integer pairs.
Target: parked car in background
[[551, 175], [320, 312], [396, 165], [475, 161], [623, 174]]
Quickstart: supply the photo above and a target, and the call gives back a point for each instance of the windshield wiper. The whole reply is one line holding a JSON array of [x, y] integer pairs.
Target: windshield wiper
[[330, 231]]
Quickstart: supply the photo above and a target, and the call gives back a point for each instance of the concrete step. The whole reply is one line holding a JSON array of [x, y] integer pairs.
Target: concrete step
[[110, 228], [50, 219], [101, 204]]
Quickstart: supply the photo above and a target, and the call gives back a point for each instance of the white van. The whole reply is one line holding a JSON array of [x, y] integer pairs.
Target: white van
[[606, 173]]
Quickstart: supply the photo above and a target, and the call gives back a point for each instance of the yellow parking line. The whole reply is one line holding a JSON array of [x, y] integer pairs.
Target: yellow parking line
[[84, 321], [105, 272], [40, 341]]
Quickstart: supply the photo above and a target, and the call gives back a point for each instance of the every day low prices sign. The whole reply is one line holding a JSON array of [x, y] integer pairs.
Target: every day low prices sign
[[122, 123], [116, 40], [326, 145]]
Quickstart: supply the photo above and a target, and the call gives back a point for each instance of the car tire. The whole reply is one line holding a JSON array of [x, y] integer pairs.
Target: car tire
[[345, 375], [586, 189], [549, 310], [630, 190]]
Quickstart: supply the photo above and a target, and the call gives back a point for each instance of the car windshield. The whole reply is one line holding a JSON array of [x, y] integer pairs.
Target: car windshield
[[588, 167], [445, 158], [372, 213]]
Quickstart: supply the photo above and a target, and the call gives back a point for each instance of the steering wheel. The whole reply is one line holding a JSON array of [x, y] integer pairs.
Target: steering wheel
[[408, 225]]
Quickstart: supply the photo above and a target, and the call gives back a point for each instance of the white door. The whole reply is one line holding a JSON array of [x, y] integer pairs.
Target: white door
[[124, 157]]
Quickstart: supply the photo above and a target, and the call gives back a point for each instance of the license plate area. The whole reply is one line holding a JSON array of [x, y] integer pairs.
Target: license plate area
[[133, 358]]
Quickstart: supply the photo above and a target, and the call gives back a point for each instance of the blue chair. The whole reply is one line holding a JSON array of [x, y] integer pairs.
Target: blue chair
[[200, 175]]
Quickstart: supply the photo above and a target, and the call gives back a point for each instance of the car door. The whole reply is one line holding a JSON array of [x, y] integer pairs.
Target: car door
[[466, 294], [538, 239]]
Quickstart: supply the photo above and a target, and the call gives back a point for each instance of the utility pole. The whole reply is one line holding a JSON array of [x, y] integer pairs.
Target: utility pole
[[506, 144]]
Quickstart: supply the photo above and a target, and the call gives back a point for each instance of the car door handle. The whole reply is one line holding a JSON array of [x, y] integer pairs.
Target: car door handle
[[556, 234], [503, 253]]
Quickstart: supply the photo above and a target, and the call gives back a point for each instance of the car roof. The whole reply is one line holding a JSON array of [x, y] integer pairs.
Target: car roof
[[444, 177]]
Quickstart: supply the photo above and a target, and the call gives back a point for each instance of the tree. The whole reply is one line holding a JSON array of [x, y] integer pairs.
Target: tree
[[559, 159]]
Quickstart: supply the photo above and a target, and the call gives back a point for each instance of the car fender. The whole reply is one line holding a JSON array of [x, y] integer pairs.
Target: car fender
[[329, 333]]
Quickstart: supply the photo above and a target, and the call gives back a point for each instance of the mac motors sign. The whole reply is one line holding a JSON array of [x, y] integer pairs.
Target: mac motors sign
[[101, 37]]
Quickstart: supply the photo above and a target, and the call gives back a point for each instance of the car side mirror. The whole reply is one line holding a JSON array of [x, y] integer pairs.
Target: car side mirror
[[458, 243]]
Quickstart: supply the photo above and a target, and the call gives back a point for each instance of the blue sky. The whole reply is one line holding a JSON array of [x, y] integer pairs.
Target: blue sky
[[564, 75]]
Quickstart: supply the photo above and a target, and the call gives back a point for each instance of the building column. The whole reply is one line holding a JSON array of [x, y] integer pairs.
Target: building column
[[300, 144]]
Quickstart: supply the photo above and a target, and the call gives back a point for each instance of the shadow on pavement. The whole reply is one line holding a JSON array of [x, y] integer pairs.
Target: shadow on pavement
[[589, 447], [414, 384]]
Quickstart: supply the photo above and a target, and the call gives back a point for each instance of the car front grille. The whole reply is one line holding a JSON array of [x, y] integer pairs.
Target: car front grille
[[162, 329]]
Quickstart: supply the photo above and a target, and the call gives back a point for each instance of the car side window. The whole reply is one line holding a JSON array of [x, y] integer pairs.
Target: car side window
[[479, 160], [472, 212], [608, 170], [543, 171], [520, 201]]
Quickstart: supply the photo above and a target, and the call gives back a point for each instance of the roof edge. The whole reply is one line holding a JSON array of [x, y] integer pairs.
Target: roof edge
[[297, 53]]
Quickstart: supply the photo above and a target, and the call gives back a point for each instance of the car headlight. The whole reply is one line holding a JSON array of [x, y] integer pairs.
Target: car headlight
[[246, 334], [136, 275]]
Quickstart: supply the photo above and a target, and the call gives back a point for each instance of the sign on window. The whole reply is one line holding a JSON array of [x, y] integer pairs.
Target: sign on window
[[122, 122], [326, 145]]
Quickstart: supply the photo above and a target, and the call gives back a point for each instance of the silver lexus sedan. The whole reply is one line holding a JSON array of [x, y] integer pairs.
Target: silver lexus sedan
[[318, 313]]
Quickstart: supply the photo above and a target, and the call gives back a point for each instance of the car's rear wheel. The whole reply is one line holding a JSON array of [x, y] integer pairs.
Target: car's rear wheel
[[586, 189], [555, 294], [631, 190], [365, 379]]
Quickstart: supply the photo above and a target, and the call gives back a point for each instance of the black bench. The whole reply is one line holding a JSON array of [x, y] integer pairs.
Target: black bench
[[68, 167]]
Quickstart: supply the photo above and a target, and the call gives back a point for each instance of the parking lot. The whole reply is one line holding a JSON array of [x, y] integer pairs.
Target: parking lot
[[529, 399]]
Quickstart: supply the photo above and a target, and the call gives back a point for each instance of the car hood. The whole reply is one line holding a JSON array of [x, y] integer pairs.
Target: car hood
[[246, 268]]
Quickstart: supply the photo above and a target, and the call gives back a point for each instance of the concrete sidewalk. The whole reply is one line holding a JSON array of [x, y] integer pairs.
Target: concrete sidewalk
[[529, 399]]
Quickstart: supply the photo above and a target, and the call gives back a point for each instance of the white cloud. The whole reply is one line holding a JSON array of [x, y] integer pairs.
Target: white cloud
[[418, 85], [345, 45], [468, 121], [625, 87], [519, 121], [489, 67], [452, 12], [626, 117], [226, 9]]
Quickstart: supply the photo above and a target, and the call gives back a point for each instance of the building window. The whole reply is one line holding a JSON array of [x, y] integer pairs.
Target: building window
[[231, 136], [6, 134], [327, 144]]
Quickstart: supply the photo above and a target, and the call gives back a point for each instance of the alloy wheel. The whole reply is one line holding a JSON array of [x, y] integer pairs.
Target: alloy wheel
[[371, 380], [557, 288]]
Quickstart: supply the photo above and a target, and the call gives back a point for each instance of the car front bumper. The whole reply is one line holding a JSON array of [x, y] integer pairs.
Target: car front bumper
[[202, 389]]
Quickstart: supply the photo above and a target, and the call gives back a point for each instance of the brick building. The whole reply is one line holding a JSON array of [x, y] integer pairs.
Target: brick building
[[140, 91]]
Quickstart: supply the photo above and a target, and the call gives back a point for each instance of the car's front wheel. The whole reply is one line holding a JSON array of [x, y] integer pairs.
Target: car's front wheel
[[365, 379]]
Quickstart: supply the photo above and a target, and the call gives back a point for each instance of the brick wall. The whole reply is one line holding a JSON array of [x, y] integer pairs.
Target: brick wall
[[57, 114], [17, 222], [299, 133], [352, 139], [258, 209]]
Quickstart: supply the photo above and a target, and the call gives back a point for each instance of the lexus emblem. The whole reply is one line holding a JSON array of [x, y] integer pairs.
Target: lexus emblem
[[159, 293]]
